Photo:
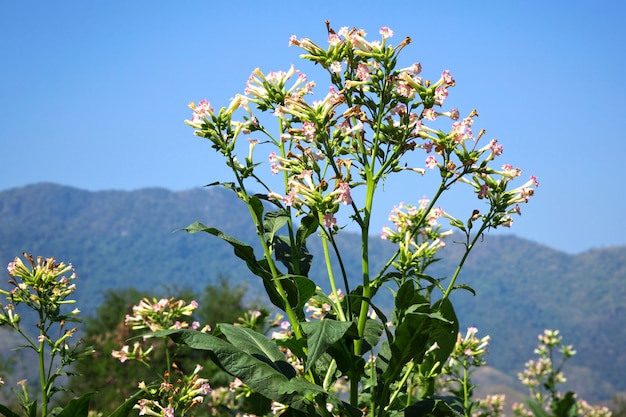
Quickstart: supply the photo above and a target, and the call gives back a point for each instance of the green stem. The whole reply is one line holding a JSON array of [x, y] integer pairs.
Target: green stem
[[468, 248], [331, 274], [407, 373], [43, 380], [258, 223], [168, 359], [466, 393]]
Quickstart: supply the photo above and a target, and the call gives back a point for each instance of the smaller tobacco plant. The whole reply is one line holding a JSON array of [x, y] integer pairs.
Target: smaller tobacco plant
[[44, 287], [543, 375]]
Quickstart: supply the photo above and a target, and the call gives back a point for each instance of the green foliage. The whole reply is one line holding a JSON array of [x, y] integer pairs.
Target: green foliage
[[520, 280], [107, 332]]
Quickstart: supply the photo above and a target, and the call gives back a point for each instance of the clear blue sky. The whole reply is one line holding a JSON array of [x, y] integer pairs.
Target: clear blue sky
[[93, 94]]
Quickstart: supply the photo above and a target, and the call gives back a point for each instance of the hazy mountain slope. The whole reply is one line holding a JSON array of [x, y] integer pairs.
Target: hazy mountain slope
[[122, 239]]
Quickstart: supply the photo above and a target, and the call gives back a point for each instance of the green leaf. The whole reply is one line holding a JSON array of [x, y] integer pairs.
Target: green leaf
[[308, 226], [321, 335], [285, 254], [404, 297], [257, 345], [7, 412], [242, 250], [409, 342], [251, 341], [274, 221], [372, 332], [566, 406], [257, 207], [436, 406], [78, 407], [306, 289], [257, 374]]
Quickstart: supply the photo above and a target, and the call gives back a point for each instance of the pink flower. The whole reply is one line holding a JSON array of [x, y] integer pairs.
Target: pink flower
[[329, 220], [344, 193], [289, 199], [336, 67], [168, 412], [333, 39], [309, 131], [400, 109], [11, 268], [202, 109], [363, 72], [293, 40], [404, 90], [495, 148], [428, 146], [447, 78], [534, 180], [431, 162], [386, 32], [429, 114], [441, 93], [416, 68], [143, 409], [205, 389], [483, 192]]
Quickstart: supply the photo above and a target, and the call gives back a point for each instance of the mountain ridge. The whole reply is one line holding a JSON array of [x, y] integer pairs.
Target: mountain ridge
[[118, 239]]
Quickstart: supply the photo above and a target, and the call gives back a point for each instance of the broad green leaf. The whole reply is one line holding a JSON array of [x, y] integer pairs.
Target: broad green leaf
[[308, 226], [254, 372], [257, 207], [251, 341], [297, 259], [78, 407], [257, 345], [410, 342], [273, 222], [7, 412], [404, 296], [433, 407], [306, 289], [566, 406], [372, 332], [242, 250], [321, 335]]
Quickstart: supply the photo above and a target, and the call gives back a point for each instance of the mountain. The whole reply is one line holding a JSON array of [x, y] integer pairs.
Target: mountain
[[119, 239]]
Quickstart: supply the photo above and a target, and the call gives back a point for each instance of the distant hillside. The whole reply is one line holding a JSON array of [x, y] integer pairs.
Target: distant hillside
[[118, 239]]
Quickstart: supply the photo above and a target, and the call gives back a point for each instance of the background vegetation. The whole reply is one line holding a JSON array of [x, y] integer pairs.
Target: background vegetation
[[121, 240]]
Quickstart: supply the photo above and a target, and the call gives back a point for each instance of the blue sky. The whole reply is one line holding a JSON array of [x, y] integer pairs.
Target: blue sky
[[94, 94]]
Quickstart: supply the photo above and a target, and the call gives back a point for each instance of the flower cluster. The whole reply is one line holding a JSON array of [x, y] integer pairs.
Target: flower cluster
[[178, 392], [469, 350], [542, 376], [417, 233], [490, 406], [42, 286], [175, 398], [162, 314]]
